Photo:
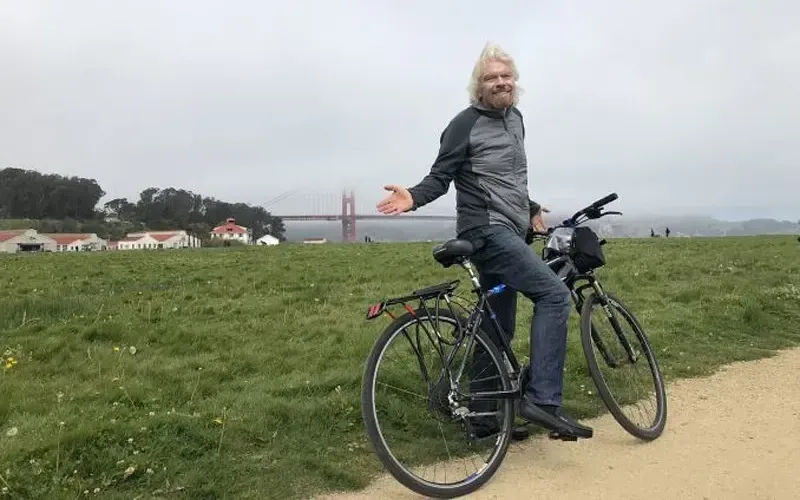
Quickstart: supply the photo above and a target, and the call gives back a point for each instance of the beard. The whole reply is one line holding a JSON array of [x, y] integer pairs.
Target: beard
[[501, 99]]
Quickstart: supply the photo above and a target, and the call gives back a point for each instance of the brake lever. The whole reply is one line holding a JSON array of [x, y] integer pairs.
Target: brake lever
[[594, 213]]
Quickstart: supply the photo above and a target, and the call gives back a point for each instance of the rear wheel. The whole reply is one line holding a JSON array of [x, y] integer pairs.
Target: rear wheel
[[623, 353], [395, 405]]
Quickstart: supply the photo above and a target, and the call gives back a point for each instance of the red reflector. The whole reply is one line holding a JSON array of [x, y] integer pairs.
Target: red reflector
[[375, 310]]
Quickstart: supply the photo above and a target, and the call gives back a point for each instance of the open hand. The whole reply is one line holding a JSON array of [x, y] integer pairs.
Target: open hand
[[537, 221], [398, 202]]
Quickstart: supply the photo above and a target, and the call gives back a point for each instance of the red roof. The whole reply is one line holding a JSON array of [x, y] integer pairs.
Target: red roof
[[7, 235], [65, 238], [230, 226], [151, 233], [163, 237]]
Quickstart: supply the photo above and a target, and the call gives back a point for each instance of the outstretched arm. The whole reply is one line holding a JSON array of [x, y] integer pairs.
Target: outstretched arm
[[453, 148]]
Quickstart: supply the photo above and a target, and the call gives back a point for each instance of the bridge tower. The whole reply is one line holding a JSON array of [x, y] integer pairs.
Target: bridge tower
[[348, 216]]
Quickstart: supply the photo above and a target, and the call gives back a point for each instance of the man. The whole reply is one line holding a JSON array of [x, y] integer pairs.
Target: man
[[482, 151]]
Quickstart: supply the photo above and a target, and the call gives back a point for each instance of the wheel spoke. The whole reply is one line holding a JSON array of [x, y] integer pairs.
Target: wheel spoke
[[420, 396]]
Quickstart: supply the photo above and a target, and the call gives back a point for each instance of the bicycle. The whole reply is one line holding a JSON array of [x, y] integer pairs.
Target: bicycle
[[573, 252]]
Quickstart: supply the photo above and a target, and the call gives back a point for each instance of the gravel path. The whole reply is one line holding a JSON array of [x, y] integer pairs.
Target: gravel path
[[735, 434]]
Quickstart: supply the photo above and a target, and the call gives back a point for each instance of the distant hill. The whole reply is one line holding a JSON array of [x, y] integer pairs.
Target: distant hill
[[695, 226], [625, 226]]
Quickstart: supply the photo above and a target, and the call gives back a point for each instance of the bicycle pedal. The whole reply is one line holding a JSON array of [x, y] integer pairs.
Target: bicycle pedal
[[520, 433], [562, 437]]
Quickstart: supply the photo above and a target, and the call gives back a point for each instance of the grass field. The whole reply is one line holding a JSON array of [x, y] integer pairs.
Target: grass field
[[236, 372]]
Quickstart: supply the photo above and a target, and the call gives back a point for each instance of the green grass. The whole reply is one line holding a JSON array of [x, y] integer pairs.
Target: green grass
[[247, 366]]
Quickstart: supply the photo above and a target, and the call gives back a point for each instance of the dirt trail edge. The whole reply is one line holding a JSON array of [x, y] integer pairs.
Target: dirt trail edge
[[735, 434]]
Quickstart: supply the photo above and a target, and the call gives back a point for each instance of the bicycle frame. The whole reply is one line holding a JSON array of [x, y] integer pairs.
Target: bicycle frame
[[566, 273], [561, 265]]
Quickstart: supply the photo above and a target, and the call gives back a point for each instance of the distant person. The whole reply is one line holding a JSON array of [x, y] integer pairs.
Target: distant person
[[652, 233], [666, 233], [482, 150]]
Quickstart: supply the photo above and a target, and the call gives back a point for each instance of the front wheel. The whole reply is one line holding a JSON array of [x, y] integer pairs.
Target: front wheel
[[626, 357]]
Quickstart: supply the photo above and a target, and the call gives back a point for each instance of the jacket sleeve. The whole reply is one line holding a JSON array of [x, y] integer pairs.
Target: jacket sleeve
[[453, 149]]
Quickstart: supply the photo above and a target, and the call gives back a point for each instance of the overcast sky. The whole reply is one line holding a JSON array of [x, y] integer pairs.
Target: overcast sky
[[677, 106]]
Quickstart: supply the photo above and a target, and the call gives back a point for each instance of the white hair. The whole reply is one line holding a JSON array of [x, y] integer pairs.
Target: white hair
[[491, 52]]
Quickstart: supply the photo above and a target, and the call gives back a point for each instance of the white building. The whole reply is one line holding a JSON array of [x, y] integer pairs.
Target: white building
[[78, 242], [142, 242], [156, 240], [170, 239], [231, 231], [25, 240], [267, 239]]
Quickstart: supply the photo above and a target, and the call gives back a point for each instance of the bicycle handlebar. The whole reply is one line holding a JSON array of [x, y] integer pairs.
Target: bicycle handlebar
[[593, 211], [604, 201]]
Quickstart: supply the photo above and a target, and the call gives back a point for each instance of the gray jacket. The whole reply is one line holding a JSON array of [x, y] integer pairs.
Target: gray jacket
[[482, 150]]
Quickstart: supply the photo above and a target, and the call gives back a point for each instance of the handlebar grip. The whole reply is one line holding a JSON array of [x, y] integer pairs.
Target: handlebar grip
[[605, 200]]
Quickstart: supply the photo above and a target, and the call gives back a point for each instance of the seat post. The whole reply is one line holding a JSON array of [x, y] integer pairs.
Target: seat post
[[466, 264]]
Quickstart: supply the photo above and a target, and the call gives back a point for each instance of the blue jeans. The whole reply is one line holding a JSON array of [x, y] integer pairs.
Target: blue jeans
[[502, 256]]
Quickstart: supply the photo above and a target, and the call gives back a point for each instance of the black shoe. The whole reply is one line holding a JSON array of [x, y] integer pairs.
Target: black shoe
[[551, 418]]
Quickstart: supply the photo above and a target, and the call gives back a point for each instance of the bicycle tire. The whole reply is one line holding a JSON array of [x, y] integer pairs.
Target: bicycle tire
[[369, 416], [654, 430]]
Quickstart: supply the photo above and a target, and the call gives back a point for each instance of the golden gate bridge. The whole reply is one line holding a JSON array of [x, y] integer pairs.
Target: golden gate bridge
[[321, 206]]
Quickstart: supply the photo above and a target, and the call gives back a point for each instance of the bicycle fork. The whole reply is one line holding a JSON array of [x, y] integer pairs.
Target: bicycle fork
[[632, 357], [609, 358]]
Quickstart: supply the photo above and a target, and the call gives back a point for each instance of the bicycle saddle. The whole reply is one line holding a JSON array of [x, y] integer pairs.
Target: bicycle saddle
[[453, 251]]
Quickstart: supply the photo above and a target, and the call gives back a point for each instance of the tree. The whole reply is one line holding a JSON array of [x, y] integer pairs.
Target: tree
[[120, 208], [172, 208], [27, 194]]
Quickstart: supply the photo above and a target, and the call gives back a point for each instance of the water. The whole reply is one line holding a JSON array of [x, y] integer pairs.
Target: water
[[378, 230]]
